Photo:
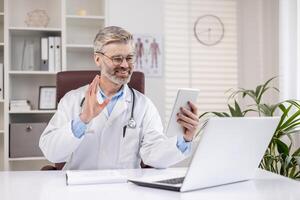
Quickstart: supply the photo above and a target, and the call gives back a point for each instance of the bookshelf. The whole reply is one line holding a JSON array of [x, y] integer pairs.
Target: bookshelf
[[2, 100], [76, 22]]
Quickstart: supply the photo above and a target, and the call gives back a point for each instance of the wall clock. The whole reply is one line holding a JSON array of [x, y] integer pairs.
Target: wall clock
[[209, 30]]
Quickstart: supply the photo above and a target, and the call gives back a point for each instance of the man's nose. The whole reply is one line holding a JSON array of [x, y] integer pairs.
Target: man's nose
[[124, 63]]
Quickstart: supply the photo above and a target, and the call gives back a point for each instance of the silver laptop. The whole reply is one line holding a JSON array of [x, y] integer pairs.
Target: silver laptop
[[229, 150]]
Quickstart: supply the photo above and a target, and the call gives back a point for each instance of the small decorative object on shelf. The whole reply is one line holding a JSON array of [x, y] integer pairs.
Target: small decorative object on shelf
[[37, 18], [47, 98], [81, 12], [20, 105]]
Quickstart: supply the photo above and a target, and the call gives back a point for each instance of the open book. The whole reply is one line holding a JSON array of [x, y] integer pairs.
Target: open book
[[81, 177]]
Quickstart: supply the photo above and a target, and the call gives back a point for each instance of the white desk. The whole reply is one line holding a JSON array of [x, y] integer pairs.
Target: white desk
[[52, 185]]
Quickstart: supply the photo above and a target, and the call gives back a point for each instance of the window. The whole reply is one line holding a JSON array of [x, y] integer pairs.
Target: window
[[188, 63]]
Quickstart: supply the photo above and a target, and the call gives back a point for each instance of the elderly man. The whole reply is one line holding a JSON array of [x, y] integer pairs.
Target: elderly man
[[98, 135]]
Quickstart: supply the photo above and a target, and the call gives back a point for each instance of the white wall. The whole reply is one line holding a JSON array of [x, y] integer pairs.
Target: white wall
[[141, 17], [257, 30], [258, 43], [289, 49]]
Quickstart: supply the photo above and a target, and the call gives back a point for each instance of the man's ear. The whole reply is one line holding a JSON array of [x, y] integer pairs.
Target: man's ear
[[97, 59]]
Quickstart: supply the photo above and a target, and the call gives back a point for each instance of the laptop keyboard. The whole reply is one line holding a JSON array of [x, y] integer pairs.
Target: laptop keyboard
[[172, 181]]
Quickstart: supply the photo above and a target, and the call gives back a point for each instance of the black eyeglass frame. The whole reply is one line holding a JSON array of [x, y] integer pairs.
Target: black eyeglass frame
[[118, 60]]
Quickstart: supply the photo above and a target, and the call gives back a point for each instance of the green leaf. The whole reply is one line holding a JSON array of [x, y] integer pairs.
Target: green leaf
[[293, 131], [264, 89], [294, 103], [297, 175], [248, 110], [282, 148], [238, 109], [266, 109], [226, 114], [250, 93], [292, 172], [203, 114], [220, 114], [233, 112], [276, 89], [290, 119], [292, 126], [258, 90], [297, 152], [284, 114]]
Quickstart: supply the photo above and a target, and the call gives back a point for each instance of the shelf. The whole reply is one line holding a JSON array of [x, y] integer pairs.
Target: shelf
[[1, 131], [1, 13], [31, 73], [33, 112], [85, 17], [1, 100], [83, 46], [27, 158], [34, 29], [1, 44]]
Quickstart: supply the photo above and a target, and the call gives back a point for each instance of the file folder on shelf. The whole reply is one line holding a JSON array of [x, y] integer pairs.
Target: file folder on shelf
[[57, 52], [1, 80], [51, 54], [44, 54]]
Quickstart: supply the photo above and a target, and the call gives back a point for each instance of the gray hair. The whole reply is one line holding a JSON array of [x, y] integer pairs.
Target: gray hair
[[111, 34]]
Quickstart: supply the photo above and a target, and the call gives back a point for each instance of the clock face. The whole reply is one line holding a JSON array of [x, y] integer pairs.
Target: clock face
[[209, 30]]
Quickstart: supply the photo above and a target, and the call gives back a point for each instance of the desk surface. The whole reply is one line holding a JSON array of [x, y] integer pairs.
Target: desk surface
[[46, 185]]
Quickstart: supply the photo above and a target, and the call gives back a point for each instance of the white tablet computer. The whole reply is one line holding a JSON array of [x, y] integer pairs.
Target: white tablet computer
[[183, 96]]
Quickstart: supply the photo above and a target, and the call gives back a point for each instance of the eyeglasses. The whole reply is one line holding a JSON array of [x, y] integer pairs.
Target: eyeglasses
[[118, 60]]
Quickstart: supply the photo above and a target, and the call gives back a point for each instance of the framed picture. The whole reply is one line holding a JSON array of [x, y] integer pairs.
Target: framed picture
[[47, 98], [149, 58]]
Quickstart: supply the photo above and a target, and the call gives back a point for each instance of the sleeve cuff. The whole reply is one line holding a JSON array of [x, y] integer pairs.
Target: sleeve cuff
[[78, 127], [182, 145]]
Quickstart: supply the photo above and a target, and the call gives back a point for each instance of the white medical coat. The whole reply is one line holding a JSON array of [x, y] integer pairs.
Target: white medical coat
[[103, 145]]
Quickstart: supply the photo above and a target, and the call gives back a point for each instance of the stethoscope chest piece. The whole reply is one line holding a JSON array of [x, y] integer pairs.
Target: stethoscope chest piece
[[131, 123]]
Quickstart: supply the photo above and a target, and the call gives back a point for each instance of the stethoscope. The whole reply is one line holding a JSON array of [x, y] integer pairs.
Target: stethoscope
[[131, 123]]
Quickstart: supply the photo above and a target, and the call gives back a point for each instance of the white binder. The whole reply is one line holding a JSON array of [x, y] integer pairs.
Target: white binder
[[51, 54], [44, 54], [1, 81], [57, 52]]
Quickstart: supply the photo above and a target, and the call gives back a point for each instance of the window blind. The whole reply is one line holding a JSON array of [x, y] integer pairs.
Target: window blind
[[188, 63]]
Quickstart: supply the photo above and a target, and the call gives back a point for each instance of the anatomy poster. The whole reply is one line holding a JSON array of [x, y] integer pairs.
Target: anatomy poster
[[148, 54]]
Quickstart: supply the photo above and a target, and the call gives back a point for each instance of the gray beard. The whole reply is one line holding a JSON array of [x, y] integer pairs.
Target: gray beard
[[114, 79]]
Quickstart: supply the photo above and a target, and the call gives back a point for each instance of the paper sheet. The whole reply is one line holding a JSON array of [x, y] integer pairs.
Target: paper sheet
[[82, 177]]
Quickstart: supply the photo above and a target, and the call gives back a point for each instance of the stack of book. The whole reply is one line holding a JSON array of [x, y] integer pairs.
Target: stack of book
[[20, 105]]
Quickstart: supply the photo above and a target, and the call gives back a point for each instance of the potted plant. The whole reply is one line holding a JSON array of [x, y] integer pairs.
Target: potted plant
[[281, 157]]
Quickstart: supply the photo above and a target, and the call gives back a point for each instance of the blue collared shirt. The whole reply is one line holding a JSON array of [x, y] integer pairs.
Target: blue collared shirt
[[110, 106], [79, 127]]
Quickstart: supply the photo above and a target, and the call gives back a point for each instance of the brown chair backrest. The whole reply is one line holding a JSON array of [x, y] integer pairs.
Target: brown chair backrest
[[70, 80]]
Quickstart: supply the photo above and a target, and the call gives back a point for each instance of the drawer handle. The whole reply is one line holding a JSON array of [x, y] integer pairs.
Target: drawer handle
[[28, 128]]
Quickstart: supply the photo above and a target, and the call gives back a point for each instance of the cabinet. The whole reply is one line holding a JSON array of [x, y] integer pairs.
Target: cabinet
[[76, 22], [2, 81]]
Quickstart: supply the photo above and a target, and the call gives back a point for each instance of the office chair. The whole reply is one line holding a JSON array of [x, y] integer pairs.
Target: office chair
[[69, 80]]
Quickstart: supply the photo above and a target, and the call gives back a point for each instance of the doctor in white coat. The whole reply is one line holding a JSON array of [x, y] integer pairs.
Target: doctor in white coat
[[92, 128]]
